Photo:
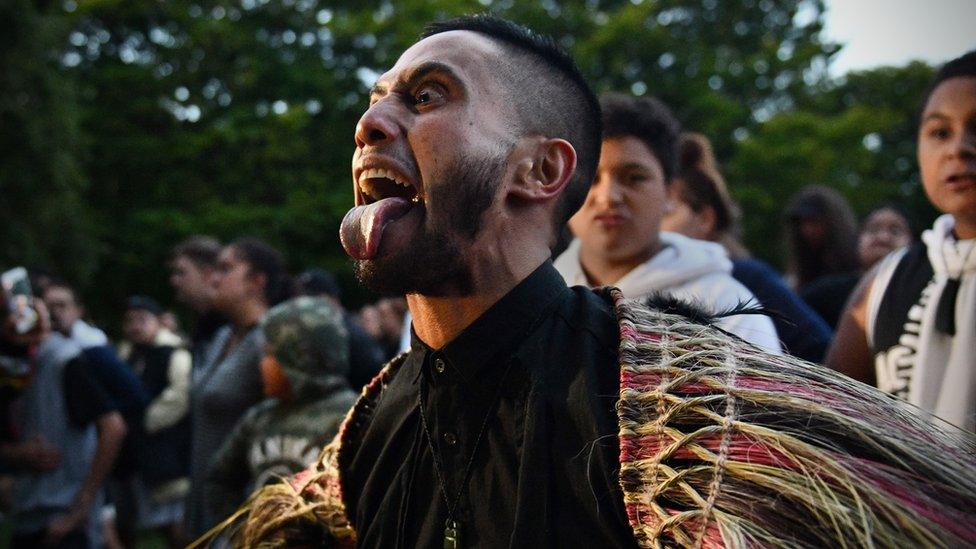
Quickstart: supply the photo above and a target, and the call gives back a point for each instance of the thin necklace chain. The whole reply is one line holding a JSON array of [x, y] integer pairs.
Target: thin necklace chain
[[438, 466]]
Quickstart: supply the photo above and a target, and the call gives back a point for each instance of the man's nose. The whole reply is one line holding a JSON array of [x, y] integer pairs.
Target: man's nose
[[378, 125]]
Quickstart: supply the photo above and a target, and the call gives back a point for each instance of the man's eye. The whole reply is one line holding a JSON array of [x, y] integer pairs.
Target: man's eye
[[939, 133], [428, 94]]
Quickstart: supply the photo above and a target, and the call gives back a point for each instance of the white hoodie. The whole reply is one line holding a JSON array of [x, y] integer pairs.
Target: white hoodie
[[692, 270]]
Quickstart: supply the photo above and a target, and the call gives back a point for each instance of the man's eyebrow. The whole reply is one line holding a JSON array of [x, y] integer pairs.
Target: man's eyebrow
[[427, 68], [414, 75]]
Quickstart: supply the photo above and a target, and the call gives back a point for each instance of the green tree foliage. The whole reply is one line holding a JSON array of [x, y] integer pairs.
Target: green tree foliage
[[856, 135], [44, 219], [236, 117]]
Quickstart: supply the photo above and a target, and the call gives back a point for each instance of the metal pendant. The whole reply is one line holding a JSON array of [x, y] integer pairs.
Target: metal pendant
[[452, 534]]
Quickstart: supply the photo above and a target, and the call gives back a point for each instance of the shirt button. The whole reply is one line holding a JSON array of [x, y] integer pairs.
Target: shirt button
[[450, 439], [439, 366]]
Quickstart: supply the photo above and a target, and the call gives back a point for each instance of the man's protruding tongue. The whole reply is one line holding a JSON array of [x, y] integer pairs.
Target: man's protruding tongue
[[362, 228]]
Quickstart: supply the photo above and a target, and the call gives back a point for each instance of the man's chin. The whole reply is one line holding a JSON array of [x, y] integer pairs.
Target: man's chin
[[433, 268]]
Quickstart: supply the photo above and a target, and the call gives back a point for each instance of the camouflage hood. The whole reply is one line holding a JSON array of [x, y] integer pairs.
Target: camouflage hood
[[308, 337]]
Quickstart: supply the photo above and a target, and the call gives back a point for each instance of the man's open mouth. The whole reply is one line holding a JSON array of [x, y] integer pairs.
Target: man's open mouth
[[390, 206], [380, 183]]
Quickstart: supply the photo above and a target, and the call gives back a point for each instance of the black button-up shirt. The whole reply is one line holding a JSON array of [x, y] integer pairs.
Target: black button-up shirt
[[545, 471]]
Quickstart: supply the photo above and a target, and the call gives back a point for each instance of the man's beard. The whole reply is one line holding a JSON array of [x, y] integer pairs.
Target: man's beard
[[431, 264]]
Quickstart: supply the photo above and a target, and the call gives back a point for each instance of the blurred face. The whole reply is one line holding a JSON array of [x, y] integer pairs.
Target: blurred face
[[813, 232], [621, 217], [369, 319], [63, 308], [235, 284], [273, 378], [430, 152], [680, 218], [194, 284], [947, 151], [140, 326], [884, 231]]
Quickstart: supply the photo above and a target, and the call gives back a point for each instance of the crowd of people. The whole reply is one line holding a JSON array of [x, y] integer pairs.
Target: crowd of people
[[167, 432], [170, 432]]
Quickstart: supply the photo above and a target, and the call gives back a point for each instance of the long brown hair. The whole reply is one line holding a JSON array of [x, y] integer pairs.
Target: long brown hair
[[701, 185], [838, 254]]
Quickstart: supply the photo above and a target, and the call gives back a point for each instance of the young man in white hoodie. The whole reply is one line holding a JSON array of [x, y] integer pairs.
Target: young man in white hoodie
[[618, 230]]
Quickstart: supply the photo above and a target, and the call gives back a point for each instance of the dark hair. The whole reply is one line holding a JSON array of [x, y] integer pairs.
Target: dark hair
[[201, 250], [261, 258], [839, 252], [56, 282], [898, 209], [550, 94], [963, 66], [143, 303], [702, 186], [647, 119], [317, 282]]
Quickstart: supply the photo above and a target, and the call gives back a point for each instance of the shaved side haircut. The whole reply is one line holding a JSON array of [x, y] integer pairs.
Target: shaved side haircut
[[549, 94]]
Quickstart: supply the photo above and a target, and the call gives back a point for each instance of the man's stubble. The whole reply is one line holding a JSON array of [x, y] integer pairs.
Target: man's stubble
[[432, 262]]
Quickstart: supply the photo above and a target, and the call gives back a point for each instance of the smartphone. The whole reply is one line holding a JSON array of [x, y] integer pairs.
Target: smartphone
[[20, 299]]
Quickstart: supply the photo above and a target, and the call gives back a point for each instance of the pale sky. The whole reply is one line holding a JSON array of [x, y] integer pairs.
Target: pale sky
[[894, 32]]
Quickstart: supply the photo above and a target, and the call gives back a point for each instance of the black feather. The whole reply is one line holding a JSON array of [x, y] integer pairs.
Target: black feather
[[697, 311]]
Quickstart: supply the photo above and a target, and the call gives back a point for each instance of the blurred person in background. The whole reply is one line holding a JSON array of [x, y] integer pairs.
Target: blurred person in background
[[618, 229], [304, 371], [366, 357], [162, 440], [69, 434], [369, 318], [822, 249], [125, 390], [171, 322], [193, 268], [392, 313], [250, 278], [702, 208], [885, 229], [66, 312], [910, 327]]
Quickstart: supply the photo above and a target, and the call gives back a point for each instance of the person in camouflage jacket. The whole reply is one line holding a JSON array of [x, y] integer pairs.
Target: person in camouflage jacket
[[304, 369]]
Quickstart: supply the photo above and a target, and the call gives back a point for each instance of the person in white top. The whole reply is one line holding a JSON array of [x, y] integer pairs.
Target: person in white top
[[618, 238], [910, 325]]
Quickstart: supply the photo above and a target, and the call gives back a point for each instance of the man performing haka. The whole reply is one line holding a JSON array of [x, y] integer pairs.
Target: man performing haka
[[529, 414]]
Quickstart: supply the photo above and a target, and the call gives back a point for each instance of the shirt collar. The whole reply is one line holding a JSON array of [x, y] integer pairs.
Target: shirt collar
[[501, 329]]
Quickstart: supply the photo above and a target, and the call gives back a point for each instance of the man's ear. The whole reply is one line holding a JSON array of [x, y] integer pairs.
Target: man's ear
[[544, 170]]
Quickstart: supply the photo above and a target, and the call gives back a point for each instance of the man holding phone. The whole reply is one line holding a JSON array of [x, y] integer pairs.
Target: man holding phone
[[69, 433]]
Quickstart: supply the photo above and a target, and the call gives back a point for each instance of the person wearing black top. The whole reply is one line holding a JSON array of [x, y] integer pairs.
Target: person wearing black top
[[487, 434], [530, 414], [193, 268]]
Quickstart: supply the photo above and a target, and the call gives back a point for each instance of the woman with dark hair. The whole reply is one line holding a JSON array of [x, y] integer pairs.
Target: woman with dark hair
[[821, 232], [822, 236], [885, 229], [910, 327], [702, 208], [251, 278]]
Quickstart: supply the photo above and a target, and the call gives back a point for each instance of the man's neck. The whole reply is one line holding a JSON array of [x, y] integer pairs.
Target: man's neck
[[439, 319], [249, 314]]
